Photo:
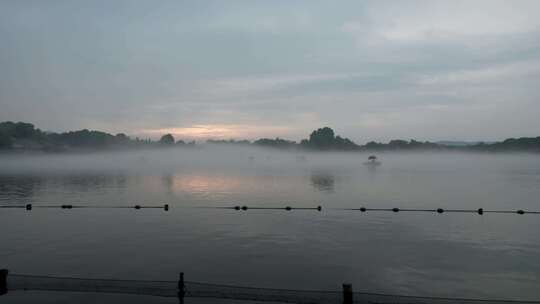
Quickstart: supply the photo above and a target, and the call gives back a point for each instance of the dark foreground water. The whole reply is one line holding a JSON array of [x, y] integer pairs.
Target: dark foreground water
[[448, 255]]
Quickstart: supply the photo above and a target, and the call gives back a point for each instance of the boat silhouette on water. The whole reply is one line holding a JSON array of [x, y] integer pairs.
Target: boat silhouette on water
[[372, 161]]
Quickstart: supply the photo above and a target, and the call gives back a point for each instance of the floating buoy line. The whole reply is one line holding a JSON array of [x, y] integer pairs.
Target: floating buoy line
[[245, 208], [479, 211], [29, 207], [165, 207]]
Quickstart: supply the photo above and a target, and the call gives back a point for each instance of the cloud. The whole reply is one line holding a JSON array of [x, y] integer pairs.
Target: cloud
[[370, 69], [514, 71], [417, 21], [243, 85]]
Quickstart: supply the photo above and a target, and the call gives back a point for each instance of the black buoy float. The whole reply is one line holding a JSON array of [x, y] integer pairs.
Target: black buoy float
[[288, 208], [480, 211], [28, 207], [363, 209], [395, 209], [166, 207], [520, 211], [137, 207], [440, 210], [319, 208]]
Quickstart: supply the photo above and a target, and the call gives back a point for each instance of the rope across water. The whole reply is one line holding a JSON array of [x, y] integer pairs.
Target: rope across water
[[166, 207]]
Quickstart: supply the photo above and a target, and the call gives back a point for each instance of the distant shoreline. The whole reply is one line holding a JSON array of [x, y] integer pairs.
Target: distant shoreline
[[24, 138]]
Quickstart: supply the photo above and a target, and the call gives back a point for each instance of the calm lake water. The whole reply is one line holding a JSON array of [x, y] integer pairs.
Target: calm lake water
[[429, 254]]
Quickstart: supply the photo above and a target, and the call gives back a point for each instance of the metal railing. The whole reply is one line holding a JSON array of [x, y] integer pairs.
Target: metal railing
[[184, 289]]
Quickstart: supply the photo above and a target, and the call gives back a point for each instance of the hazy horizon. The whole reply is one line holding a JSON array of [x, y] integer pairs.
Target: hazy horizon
[[158, 135], [371, 70]]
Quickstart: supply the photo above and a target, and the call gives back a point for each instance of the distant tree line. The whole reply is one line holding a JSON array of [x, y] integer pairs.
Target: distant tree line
[[275, 143], [24, 136], [229, 141], [399, 144], [530, 144]]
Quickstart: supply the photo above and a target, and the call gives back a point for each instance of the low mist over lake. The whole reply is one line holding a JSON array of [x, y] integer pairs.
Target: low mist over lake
[[470, 255]]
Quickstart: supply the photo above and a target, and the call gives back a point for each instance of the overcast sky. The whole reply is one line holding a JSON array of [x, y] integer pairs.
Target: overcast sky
[[372, 70]]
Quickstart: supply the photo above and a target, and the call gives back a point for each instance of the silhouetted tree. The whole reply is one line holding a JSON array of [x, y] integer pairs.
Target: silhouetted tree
[[5, 140], [20, 130], [122, 137], [324, 139], [167, 139]]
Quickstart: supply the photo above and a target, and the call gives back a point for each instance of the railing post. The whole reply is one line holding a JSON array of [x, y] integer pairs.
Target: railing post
[[181, 288], [3, 281], [347, 293]]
